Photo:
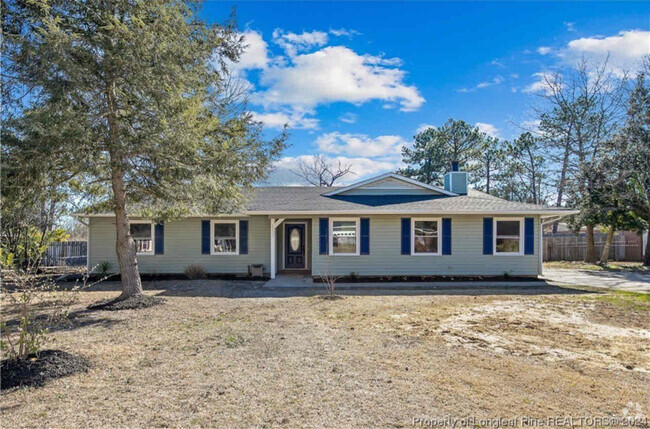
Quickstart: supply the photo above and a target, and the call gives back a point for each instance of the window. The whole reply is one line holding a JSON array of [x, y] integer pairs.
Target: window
[[225, 236], [425, 236], [507, 236], [142, 233], [344, 236]]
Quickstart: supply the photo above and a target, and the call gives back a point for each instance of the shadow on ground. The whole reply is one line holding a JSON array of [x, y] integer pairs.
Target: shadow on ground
[[256, 289]]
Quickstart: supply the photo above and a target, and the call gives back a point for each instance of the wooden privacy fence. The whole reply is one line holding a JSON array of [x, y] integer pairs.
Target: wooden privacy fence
[[66, 253], [626, 246]]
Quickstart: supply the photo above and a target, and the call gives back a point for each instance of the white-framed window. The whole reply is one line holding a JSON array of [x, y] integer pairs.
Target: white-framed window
[[225, 237], [143, 235], [508, 236], [344, 236], [426, 236]]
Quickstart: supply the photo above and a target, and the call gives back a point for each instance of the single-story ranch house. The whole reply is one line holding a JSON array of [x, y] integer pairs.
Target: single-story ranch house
[[385, 226]]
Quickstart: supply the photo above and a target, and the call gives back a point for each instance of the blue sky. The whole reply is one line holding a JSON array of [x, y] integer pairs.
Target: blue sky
[[355, 80]]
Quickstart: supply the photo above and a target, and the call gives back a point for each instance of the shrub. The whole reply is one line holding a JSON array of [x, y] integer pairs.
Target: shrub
[[195, 272], [27, 293], [104, 268]]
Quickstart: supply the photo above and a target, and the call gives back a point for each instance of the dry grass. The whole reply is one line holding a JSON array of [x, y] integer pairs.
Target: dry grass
[[611, 266], [205, 360]]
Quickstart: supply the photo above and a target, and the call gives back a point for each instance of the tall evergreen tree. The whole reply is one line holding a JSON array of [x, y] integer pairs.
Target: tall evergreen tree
[[436, 148], [133, 96], [632, 153]]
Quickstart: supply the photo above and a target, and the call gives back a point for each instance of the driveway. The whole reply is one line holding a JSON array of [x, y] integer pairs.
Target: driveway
[[619, 280]]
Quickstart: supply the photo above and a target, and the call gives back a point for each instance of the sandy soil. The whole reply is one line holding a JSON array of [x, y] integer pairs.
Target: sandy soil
[[228, 354]]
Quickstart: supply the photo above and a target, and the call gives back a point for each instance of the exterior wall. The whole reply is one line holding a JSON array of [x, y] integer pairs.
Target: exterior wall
[[182, 248], [385, 256]]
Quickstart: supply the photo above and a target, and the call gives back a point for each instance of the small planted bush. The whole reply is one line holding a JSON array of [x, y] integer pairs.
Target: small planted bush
[[104, 268], [195, 272]]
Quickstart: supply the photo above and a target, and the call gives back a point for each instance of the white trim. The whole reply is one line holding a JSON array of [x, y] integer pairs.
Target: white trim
[[439, 237], [153, 235], [212, 251], [311, 213], [284, 244], [357, 232], [394, 176], [521, 236]]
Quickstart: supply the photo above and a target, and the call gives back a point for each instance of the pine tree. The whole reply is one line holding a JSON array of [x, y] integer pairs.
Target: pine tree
[[132, 98]]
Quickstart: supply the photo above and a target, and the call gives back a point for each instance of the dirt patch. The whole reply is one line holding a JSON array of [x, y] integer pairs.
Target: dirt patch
[[561, 331], [132, 303], [37, 370]]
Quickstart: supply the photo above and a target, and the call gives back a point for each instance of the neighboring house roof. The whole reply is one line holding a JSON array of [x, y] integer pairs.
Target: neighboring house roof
[[385, 194]]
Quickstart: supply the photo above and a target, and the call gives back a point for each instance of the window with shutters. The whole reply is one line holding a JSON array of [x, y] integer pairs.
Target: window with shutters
[[225, 237], [143, 235], [344, 236], [425, 236], [508, 236]]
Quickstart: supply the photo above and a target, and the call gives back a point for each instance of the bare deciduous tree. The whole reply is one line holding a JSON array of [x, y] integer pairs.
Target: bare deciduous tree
[[319, 171]]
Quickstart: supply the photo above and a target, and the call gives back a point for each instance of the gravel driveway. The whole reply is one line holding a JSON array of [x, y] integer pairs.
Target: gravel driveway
[[619, 280]]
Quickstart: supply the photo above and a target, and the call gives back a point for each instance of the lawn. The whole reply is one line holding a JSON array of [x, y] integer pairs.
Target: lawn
[[611, 266], [224, 355]]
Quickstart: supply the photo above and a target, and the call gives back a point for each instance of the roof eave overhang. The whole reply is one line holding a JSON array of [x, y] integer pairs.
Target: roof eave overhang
[[543, 213]]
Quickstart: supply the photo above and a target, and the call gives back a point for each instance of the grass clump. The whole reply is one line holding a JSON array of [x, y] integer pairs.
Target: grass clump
[[195, 272]]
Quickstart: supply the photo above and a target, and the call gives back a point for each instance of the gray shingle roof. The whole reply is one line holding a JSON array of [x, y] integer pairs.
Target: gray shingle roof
[[309, 199]]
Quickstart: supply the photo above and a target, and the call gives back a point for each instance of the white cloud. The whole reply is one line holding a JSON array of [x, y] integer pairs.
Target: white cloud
[[356, 145], [497, 63], [348, 118], [296, 120], [541, 84], [495, 81], [531, 125], [570, 26], [488, 129], [362, 167], [625, 50], [338, 32], [256, 54], [335, 74], [544, 50], [292, 43], [423, 127]]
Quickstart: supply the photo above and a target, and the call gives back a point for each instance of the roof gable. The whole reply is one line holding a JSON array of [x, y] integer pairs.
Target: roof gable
[[390, 184]]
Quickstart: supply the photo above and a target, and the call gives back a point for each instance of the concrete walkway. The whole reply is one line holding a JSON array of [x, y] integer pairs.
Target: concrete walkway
[[618, 280]]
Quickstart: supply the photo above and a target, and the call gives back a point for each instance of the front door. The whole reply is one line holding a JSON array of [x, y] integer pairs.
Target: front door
[[294, 245]]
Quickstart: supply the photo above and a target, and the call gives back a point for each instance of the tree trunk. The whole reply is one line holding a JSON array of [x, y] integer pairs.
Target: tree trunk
[[590, 257], [646, 259], [608, 242], [125, 246]]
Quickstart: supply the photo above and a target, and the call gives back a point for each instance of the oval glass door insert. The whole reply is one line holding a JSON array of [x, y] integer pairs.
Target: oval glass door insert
[[294, 240]]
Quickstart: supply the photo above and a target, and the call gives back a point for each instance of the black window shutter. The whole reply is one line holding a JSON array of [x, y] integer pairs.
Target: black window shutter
[[323, 233], [446, 236], [159, 239], [488, 237], [243, 237], [406, 236], [529, 236], [365, 236], [205, 237]]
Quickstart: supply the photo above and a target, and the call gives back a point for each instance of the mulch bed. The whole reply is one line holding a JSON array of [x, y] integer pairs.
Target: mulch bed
[[131, 303], [36, 370]]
